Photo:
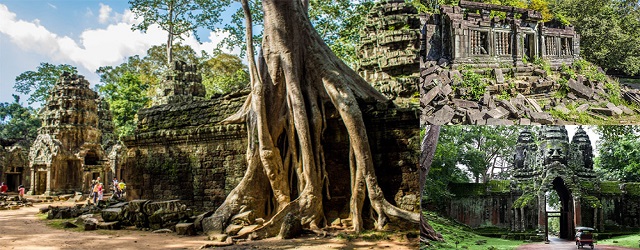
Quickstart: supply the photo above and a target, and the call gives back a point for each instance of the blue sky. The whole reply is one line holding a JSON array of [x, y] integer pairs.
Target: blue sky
[[82, 33]]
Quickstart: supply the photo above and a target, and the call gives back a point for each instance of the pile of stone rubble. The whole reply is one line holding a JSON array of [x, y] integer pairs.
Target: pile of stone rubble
[[8, 202], [443, 97]]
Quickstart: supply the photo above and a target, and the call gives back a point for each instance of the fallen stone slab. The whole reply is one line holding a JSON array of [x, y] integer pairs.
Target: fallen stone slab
[[464, 104], [233, 229], [542, 118], [493, 121], [510, 107], [582, 108], [498, 113], [185, 229], [162, 231], [499, 76], [616, 111], [603, 111], [442, 116], [580, 89], [562, 109], [67, 224], [245, 218], [430, 95], [524, 121], [114, 225]]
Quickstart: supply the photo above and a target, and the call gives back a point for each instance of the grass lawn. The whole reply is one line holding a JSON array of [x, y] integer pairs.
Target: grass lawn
[[454, 232], [632, 240]]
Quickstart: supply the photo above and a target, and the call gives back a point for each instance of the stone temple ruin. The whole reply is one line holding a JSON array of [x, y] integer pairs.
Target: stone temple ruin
[[180, 151], [390, 44], [71, 148], [467, 34], [544, 163], [501, 70], [14, 164]]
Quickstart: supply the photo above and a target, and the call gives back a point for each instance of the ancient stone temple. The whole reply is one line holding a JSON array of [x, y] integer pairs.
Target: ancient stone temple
[[182, 84], [180, 151], [389, 49], [550, 163], [467, 34], [68, 152], [14, 164]]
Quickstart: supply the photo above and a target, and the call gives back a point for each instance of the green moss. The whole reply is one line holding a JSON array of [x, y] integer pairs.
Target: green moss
[[524, 200], [610, 187], [468, 189], [499, 186], [591, 201], [632, 188]]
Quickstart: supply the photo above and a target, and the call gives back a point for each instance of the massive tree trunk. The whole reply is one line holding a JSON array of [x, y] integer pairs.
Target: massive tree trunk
[[428, 148], [297, 82]]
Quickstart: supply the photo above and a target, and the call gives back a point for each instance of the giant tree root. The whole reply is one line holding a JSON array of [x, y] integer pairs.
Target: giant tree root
[[298, 78]]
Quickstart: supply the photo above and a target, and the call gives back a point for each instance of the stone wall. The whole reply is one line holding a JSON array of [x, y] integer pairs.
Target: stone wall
[[180, 152], [14, 166]]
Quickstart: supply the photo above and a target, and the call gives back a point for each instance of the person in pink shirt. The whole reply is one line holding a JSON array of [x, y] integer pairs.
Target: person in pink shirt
[[21, 192]]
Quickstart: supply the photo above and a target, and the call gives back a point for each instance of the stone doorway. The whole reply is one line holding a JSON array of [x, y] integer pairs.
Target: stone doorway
[[566, 209], [13, 181], [40, 182], [529, 46]]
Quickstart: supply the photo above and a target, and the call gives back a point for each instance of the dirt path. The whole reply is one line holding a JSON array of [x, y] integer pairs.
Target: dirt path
[[560, 244], [21, 229]]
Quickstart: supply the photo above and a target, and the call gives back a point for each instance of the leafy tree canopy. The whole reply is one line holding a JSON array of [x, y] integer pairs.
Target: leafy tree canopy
[[18, 122], [125, 98], [37, 83], [619, 153]]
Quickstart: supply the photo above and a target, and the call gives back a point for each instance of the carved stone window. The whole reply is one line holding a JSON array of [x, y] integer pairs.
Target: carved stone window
[[503, 43], [479, 42]]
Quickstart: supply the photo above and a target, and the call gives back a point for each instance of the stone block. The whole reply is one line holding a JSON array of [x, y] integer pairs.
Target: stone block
[[429, 96], [185, 229], [540, 72], [111, 214], [474, 116], [524, 121], [442, 116], [510, 107], [498, 113], [614, 109], [233, 229], [580, 89], [542, 118], [562, 109], [114, 225], [291, 227], [446, 90], [245, 218], [493, 121], [604, 111], [465, 104], [582, 108], [499, 76]]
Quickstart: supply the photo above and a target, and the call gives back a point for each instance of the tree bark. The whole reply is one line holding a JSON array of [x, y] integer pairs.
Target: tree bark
[[297, 79], [428, 149]]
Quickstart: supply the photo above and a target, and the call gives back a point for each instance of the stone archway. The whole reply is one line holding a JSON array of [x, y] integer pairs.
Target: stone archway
[[566, 209]]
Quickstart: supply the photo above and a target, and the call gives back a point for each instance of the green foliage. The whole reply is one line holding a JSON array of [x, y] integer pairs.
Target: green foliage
[[224, 73], [458, 236], [474, 84], [632, 189], [632, 241], [591, 201], [610, 187], [337, 22], [464, 151], [543, 7], [125, 98], [567, 72], [37, 83], [543, 64], [619, 153], [18, 122], [609, 31], [177, 17], [524, 200]]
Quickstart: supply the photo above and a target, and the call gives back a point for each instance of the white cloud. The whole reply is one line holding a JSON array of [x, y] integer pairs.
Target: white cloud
[[52, 6], [105, 12], [95, 47]]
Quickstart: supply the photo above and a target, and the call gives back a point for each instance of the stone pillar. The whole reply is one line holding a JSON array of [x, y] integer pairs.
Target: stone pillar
[[577, 212], [516, 220], [522, 220], [48, 190], [542, 211], [32, 185]]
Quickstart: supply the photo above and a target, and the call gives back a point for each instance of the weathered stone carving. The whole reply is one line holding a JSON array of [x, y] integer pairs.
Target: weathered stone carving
[[68, 152], [182, 83], [549, 163], [390, 44]]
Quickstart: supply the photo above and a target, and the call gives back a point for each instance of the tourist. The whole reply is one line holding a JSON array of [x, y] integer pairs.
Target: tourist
[[114, 184], [121, 188], [100, 192], [94, 193], [21, 192], [3, 188]]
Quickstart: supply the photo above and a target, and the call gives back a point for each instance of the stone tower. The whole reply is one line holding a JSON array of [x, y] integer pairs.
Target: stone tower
[[553, 164], [182, 83], [68, 152], [390, 48]]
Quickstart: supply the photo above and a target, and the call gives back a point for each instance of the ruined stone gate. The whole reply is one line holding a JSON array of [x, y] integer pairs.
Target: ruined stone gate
[[550, 163]]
